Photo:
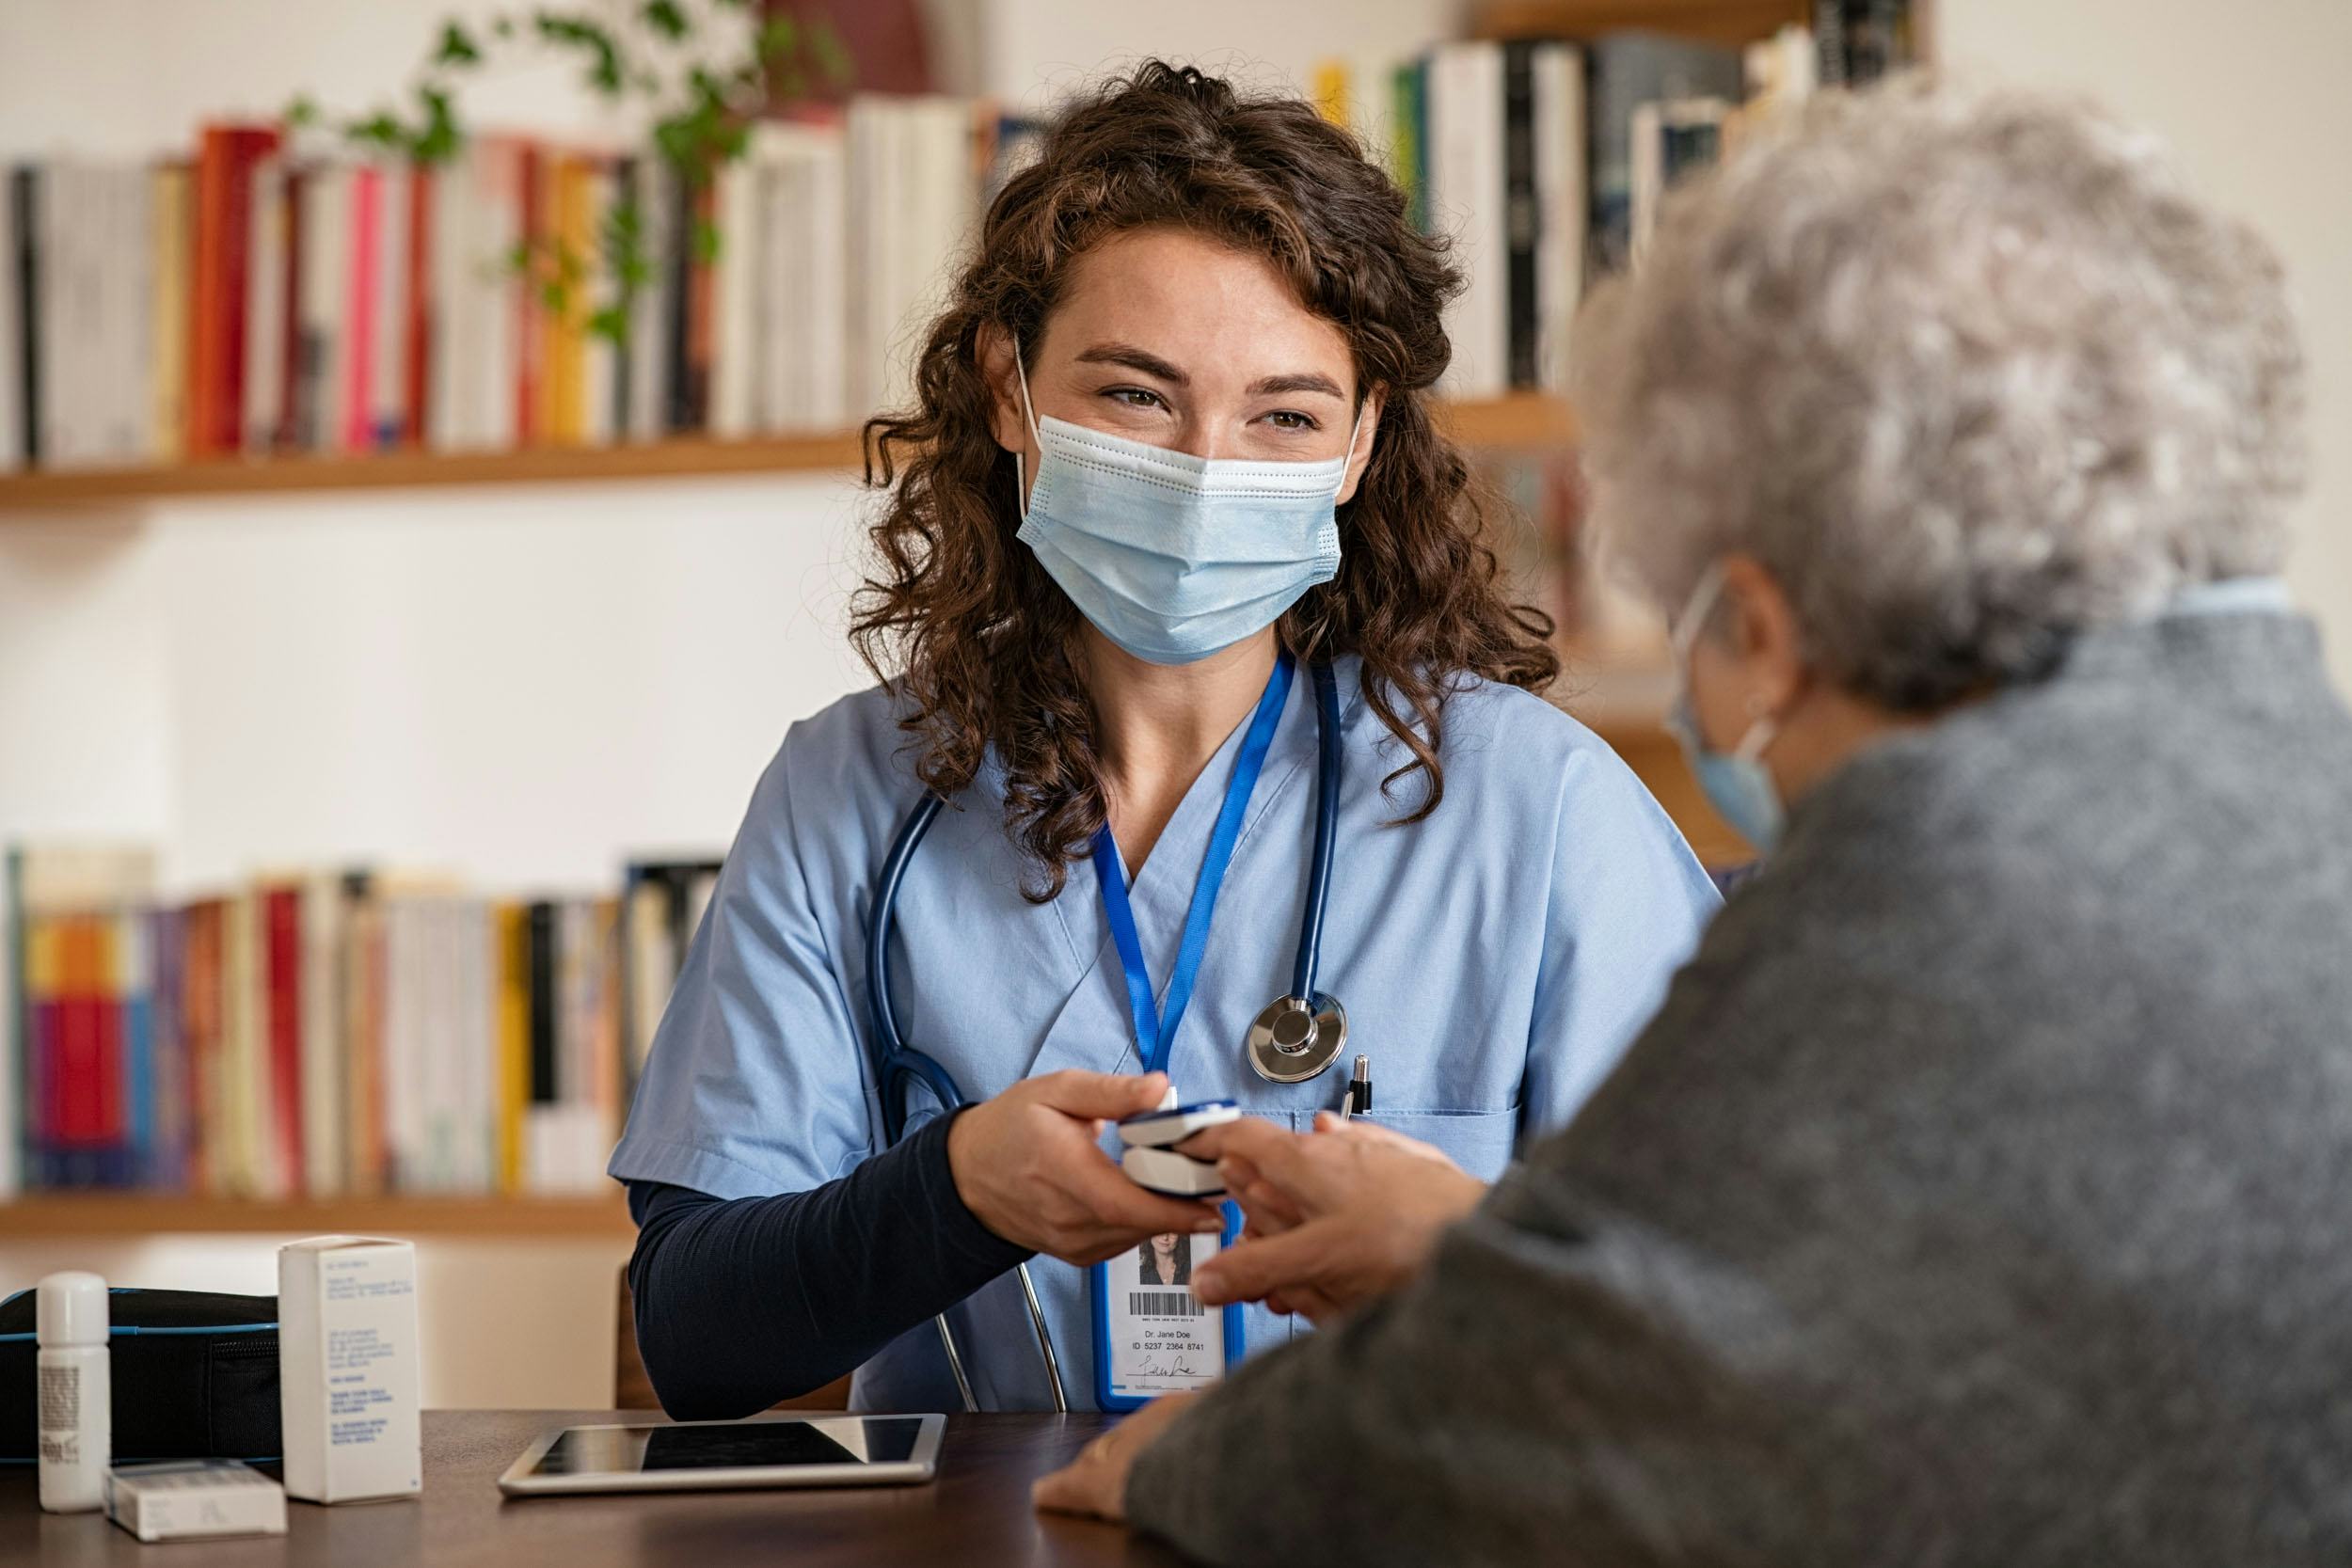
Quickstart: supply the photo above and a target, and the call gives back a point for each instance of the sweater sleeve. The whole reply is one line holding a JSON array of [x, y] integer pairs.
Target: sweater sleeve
[[1542, 1393], [742, 1302]]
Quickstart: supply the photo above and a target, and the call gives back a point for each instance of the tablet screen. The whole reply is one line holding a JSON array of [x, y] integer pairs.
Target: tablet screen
[[836, 1440]]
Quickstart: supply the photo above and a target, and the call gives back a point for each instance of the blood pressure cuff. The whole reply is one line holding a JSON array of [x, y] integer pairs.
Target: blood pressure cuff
[[195, 1376]]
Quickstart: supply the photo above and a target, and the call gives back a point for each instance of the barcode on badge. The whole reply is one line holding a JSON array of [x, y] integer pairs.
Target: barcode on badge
[[1164, 1304]]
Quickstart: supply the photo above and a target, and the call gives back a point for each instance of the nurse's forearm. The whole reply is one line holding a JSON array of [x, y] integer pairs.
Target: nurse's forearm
[[742, 1302]]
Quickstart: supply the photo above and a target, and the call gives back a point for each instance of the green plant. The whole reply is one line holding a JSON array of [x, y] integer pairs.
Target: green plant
[[655, 53]]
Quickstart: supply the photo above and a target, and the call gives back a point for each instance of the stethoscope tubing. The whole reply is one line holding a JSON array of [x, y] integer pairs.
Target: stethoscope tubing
[[894, 1062], [1327, 831]]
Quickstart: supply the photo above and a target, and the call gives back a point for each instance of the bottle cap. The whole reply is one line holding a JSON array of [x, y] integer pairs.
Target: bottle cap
[[70, 1308]]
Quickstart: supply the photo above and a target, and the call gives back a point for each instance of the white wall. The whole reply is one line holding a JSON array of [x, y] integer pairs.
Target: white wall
[[520, 685], [2252, 95]]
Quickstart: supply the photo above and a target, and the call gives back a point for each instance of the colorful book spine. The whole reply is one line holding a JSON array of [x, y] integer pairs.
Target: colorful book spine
[[416, 371], [173, 238], [281, 965], [132, 997], [529, 316], [360, 323], [512, 936], [216, 356]]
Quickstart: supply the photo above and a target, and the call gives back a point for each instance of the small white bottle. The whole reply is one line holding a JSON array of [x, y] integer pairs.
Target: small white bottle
[[75, 1393]]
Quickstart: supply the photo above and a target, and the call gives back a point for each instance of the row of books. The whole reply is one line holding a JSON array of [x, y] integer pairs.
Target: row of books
[[326, 1035], [267, 296], [1547, 161]]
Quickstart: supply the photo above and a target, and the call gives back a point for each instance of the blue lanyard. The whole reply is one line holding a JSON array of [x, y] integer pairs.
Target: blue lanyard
[[1155, 1032]]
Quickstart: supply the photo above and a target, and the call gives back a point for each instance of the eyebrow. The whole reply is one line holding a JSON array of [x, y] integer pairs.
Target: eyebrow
[[1152, 365], [1135, 359], [1310, 382]]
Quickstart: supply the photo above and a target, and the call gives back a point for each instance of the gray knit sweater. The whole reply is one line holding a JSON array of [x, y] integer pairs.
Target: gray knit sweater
[[1983, 1194]]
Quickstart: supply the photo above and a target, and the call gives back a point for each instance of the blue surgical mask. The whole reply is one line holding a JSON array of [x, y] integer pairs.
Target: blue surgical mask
[[1174, 557], [1736, 783]]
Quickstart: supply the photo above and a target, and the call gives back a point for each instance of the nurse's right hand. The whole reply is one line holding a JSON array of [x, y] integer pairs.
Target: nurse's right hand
[[1029, 1163]]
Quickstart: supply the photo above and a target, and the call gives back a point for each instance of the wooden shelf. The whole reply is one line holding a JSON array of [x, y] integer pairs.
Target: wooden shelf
[[135, 1215], [1725, 21], [1516, 421], [75, 488], [1523, 420]]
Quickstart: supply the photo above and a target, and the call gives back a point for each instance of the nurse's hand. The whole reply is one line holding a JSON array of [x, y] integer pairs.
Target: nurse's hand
[[1336, 1217], [1029, 1163]]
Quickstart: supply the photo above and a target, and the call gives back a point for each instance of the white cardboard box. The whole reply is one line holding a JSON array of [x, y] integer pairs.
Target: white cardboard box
[[347, 1368], [187, 1499]]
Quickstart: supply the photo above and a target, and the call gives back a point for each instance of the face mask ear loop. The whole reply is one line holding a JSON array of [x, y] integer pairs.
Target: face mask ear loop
[[1028, 416], [1762, 731], [1349, 456]]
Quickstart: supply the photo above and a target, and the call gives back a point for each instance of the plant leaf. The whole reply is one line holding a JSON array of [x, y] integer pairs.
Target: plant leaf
[[667, 18], [610, 320], [438, 142], [584, 32], [381, 129], [706, 241], [457, 47], [777, 37]]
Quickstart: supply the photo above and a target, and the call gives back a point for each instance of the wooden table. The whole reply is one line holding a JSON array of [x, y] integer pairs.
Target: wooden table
[[977, 1512]]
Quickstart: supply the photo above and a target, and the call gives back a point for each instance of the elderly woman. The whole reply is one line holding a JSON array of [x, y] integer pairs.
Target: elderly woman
[[1977, 1194]]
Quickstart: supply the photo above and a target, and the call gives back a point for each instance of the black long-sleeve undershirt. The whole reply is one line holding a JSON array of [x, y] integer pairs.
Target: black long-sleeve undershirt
[[742, 1302]]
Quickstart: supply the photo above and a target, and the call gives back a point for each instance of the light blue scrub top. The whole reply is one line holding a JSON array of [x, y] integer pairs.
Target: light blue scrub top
[[1495, 960]]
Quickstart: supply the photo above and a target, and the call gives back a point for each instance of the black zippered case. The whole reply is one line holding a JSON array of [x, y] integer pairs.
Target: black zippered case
[[195, 1376]]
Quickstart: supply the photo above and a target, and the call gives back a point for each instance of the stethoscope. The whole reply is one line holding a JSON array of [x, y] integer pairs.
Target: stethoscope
[[1296, 1038]]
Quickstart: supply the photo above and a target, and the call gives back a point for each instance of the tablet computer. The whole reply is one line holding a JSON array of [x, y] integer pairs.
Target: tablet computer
[[662, 1456]]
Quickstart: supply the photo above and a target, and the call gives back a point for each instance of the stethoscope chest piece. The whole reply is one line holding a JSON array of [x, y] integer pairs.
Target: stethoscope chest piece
[[1293, 1039]]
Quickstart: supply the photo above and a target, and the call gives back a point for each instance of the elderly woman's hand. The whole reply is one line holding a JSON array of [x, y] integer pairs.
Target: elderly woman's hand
[[1349, 1211], [1096, 1483]]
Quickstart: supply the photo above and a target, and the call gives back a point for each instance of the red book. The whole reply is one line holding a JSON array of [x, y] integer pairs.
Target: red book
[[359, 323], [212, 198], [282, 946], [216, 301], [420, 302], [529, 334], [199, 1025], [75, 1061], [79, 1033], [109, 1124]]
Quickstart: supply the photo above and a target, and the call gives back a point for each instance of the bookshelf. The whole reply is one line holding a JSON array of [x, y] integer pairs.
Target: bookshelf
[[1731, 22], [1728, 22], [1517, 422], [134, 1214]]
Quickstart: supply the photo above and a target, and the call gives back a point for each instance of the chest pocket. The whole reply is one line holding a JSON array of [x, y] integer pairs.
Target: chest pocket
[[1481, 1142]]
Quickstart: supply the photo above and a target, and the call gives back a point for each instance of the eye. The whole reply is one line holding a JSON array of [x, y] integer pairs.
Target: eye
[[1134, 397], [1291, 419]]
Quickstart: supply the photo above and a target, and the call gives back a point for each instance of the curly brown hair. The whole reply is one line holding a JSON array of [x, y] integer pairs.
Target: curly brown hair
[[966, 627]]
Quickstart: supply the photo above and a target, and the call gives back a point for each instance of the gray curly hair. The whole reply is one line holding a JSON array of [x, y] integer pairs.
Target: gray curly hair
[[1968, 372]]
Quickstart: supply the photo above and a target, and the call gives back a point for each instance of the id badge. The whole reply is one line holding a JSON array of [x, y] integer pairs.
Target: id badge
[[1151, 1334]]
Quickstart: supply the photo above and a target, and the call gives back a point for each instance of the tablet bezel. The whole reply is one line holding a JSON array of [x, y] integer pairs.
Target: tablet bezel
[[521, 1479]]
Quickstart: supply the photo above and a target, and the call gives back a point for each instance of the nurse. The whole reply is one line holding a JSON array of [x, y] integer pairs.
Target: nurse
[[1169, 547]]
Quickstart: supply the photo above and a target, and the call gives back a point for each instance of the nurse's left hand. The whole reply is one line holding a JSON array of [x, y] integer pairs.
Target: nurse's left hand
[[1096, 1483]]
